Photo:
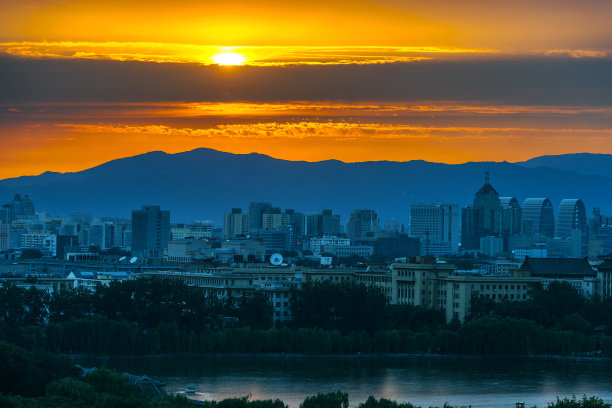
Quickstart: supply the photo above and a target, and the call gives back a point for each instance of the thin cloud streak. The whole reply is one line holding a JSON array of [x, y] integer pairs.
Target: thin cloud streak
[[255, 56], [331, 108], [304, 130]]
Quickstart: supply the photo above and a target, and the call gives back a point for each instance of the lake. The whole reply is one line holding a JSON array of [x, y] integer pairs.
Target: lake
[[423, 382]]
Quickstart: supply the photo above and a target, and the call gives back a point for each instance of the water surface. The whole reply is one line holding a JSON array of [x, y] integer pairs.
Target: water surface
[[422, 382]]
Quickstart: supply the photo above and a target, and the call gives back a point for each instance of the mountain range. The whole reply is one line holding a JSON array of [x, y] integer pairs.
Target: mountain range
[[203, 184]]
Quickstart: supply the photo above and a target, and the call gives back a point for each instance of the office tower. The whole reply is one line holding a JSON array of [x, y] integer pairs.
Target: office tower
[[362, 222], [19, 208], [511, 216], [97, 235], [324, 223], [235, 224], [572, 223], [538, 217], [150, 231], [571, 216], [511, 219], [5, 231], [483, 218], [436, 224], [256, 210]]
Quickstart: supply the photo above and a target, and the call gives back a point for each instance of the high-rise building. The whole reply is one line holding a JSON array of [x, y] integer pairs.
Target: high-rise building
[[362, 222], [324, 223], [256, 210], [483, 218], [572, 223], [538, 217], [150, 231], [19, 208], [66, 244], [393, 225], [511, 216], [235, 224], [4, 236], [97, 235], [434, 224], [571, 216]]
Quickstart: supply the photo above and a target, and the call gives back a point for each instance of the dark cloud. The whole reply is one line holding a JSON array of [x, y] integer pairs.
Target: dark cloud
[[527, 81]]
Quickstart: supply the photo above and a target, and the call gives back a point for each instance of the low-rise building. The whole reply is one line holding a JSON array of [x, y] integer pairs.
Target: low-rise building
[[576, 271]]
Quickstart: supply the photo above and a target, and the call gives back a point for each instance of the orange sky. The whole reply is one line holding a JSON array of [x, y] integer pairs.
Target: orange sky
[[292, 101]]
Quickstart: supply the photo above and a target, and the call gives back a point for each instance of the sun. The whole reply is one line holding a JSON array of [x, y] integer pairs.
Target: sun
[[229, 58]]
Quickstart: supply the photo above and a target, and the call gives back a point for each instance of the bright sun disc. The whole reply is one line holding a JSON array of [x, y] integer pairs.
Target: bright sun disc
[[229, 58]]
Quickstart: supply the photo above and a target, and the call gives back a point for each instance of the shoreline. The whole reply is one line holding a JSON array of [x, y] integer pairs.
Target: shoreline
[[347, 357]]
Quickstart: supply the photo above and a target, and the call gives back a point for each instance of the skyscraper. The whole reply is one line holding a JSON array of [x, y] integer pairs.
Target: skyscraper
[[436, 224], [571, 216], [324, 223], [19, 208], [483, 219], [150, 231], [235, 223], [538, 217], [256, 210], [361, 222], [511, 216]]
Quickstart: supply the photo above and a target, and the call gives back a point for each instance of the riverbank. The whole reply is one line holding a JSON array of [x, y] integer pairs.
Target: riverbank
[[357, 356]]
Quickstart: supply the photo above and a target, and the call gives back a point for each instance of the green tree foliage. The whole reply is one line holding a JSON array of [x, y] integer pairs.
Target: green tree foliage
[[255, 311], [344, 307], [151, 302], [372, 402], [558, 305], [20, 306], [585, 402], [26, 373], [413, 317], [69, 304], [336, 399], [243, 402]]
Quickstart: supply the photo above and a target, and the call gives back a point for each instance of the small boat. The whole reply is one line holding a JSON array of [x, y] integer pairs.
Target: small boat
[[190, 389]]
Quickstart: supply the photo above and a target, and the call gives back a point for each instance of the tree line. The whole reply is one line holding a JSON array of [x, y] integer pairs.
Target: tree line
[[161, 315], [559, 306]]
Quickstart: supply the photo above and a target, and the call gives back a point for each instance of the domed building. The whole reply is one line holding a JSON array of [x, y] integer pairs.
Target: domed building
[[483, 218]]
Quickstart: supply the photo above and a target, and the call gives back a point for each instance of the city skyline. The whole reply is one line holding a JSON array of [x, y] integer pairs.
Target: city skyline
[[85, 82]]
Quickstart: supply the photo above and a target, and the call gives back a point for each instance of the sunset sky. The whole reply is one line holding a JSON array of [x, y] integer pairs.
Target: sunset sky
[[83, 82]]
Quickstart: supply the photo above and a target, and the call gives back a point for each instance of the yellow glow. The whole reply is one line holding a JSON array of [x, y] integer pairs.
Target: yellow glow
[[229, 58], [259, 56]]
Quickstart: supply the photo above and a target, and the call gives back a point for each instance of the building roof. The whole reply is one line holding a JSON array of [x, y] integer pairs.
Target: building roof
[[487, 189], [560, 267]]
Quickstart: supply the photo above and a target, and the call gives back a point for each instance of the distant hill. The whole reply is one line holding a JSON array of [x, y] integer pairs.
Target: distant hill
[[581, 163], [203, 184]]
